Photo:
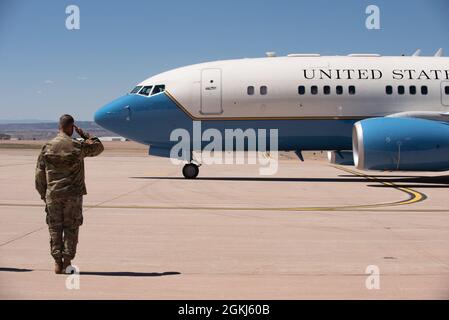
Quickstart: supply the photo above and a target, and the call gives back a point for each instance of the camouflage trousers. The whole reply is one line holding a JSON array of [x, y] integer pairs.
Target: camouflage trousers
[[64, 216]]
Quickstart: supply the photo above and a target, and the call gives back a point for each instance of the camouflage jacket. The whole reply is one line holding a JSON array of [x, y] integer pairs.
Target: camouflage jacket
[[60, 166]]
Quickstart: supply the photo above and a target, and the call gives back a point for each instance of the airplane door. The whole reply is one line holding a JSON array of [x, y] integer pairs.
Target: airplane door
[[445, 93], [211, 91]]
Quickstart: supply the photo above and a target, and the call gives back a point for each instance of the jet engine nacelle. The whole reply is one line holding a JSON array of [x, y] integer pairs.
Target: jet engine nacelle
[[401, 144], [343, 158]]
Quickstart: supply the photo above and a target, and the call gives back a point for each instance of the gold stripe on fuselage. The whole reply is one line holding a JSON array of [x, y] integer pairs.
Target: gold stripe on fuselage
[[191, 116]]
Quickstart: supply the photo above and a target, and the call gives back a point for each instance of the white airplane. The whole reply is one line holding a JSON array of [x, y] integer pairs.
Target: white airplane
[[391, 112]]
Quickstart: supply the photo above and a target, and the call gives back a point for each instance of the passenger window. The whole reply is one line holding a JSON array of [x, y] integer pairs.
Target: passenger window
[[401, 90], [263, 90], [250, 90], [302, 90], [327, 90], [413, 90], [424, 90], [136, 89], [314, 90], [351, 90], [146, 90], [339, 90], [159, 88], [446, 90], [389, 90]]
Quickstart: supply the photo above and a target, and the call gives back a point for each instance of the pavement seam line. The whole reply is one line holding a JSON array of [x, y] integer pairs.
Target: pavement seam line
[[414, 197]]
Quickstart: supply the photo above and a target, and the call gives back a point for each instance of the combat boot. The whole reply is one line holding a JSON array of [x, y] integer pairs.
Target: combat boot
[[67, 263], [58, 266]]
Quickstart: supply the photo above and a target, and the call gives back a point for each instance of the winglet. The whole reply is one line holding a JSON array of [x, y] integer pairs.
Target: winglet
[[417, 53], [439, 53]]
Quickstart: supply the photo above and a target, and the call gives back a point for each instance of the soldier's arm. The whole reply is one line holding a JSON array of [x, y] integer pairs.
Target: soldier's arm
[[40, 175], [91, 146]]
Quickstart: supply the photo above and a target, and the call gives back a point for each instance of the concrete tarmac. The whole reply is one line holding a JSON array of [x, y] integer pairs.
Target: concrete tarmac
[[312, 231]]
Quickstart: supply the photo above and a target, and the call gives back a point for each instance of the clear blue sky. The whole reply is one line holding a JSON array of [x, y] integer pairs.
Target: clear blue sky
[[47, 70]]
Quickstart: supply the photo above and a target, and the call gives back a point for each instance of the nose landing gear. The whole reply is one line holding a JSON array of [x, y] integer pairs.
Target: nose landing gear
[[190, 171]]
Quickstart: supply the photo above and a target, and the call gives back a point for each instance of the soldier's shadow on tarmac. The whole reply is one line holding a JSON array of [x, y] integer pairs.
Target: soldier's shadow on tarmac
[[107, 274], [14, 270], [129, 274]]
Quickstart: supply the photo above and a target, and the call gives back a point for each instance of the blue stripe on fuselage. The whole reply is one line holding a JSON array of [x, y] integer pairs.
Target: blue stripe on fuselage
[[152, 119]]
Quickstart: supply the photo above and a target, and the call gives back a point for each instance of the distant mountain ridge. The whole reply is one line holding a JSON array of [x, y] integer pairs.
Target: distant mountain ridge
[[12, 121], [47, 130]]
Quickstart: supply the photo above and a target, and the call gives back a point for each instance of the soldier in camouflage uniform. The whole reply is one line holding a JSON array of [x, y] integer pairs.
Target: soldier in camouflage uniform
[[60, 183]]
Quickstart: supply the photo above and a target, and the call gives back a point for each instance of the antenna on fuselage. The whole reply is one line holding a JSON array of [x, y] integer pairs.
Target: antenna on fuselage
[[439, 53], [417, 53]]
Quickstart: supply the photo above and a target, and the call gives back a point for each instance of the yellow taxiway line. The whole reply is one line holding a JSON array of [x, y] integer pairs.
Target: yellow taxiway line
[[413, 197]]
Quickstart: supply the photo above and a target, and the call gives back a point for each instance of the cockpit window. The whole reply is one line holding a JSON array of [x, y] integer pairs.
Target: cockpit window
[[146, 90], [158, 88], [136, 89]]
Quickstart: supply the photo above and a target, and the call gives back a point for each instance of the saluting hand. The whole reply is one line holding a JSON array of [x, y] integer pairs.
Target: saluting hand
[[80, 132]]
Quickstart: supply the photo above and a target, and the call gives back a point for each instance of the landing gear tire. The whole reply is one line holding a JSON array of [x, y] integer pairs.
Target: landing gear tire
[[190, 171]]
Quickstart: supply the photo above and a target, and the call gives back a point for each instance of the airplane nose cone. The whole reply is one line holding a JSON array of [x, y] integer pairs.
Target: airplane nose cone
[[100, 116], [114, 115]]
